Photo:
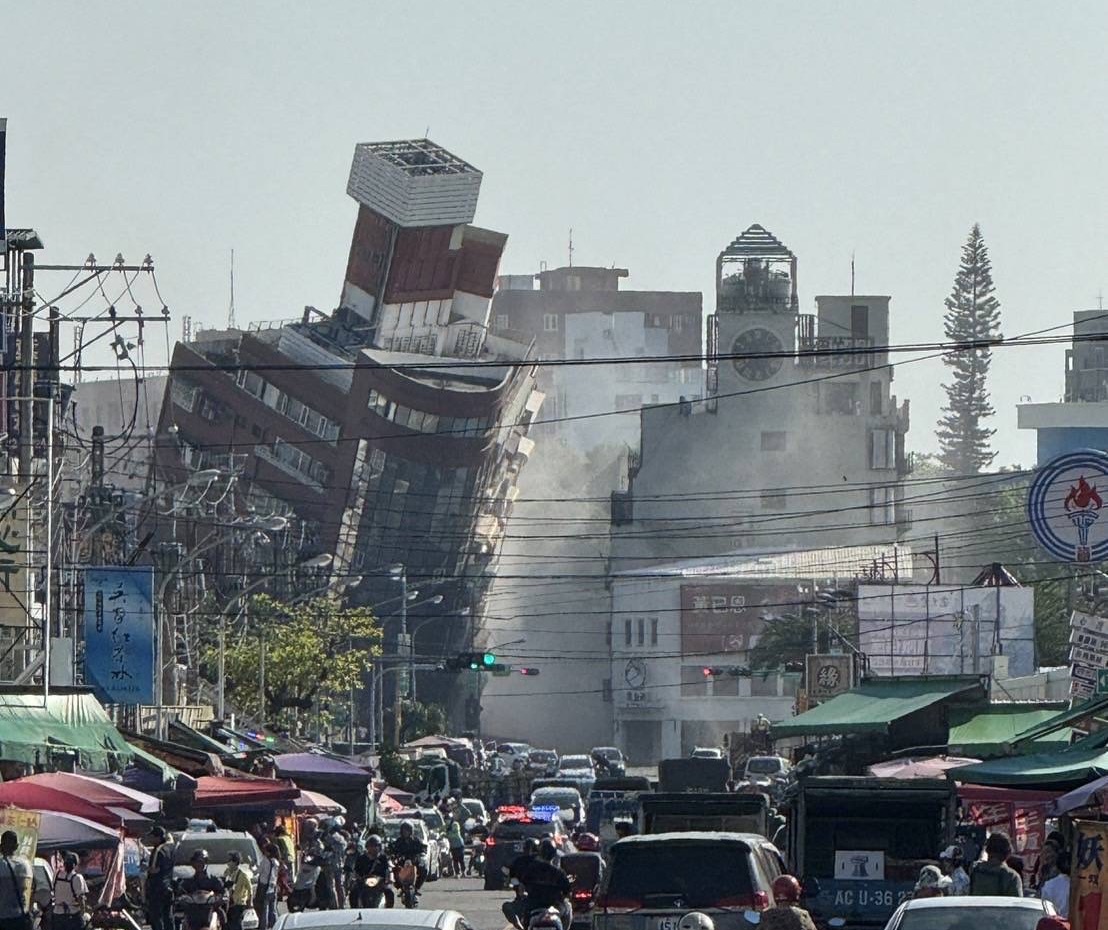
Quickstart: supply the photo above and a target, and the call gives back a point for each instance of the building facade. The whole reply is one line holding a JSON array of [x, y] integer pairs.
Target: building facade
[[799, 441], [550, 590], [1080, 419], [392, 431]]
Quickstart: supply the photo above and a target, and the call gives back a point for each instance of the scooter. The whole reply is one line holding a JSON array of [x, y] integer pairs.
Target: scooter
[[404, 877], [372, 892]]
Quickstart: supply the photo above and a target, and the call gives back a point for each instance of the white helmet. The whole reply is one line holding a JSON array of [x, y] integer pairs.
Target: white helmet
[[694, 920]]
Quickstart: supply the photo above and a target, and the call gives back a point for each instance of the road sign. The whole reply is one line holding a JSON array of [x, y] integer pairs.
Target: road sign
[[1102, 681], [1064, 505]]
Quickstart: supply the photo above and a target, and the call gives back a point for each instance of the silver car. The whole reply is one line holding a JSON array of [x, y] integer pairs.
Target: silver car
[[970, 913]]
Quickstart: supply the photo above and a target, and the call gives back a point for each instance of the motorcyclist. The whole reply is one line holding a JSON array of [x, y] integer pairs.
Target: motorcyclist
[[545, 885], [371, 862], [200, 880], [786, 914], [408, 846]]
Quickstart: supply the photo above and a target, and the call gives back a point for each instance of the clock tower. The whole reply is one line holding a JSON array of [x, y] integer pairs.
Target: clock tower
[[752, 335]]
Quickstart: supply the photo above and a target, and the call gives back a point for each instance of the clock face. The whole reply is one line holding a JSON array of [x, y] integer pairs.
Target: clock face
[[635, 673], [752, 342]]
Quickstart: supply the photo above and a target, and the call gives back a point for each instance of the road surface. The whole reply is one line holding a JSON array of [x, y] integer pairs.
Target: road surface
[[481, 908]]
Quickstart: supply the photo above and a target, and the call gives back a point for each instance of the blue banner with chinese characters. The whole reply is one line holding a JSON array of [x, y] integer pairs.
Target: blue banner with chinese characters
[[119, 634]]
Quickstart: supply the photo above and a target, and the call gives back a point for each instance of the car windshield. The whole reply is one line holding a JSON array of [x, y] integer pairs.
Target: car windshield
[[699, 874], [520, 829], [550, 796], [575, 762], [218, 847], [970, 918], [767, 766], [392, 829], [609, 753], [543, 755], [475, 808]]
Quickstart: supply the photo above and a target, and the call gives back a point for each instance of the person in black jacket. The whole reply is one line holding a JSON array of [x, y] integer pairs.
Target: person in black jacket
[[371, 862], [545, 884], [408, 846], [159, 882]]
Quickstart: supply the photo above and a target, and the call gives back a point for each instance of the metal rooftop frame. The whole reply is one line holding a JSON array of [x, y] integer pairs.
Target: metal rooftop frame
[[757, 242], [419, 157]]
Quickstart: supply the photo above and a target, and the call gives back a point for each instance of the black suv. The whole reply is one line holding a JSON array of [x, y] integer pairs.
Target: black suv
[[505, 842]]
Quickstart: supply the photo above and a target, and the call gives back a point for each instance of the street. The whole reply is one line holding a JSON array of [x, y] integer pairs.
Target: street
[[481, 908]]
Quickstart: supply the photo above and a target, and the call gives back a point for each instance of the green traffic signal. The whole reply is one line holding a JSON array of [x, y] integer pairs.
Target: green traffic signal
[[488, 659]]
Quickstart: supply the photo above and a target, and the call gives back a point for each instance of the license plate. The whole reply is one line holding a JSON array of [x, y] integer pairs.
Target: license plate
[[666, 923]]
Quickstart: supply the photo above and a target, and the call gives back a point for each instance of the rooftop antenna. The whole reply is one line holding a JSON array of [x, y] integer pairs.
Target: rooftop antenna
[[1100, 299], [851, 272], [427, 132], [231, 309], [571, 247]]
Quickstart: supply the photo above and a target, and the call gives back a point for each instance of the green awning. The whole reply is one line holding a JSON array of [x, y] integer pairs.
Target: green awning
[[1061, 770], [990, 732], [1095, 706], [873, 705], [70, 725]]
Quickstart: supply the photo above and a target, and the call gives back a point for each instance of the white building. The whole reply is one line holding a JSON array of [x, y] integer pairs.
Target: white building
[[672, 620]]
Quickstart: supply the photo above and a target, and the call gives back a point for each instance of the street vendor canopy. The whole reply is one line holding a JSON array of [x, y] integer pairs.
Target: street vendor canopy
[[992, 730], [58, 832], [99, 792], [874, 705], [1061, 770], [213, 791], [298, 765], [64, 726], [32, 797]]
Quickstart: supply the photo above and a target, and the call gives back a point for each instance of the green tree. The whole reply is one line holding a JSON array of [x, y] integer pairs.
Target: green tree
[[311, 650], [972, 315], [421, 720]]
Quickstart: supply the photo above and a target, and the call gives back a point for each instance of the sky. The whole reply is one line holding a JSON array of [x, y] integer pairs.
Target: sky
[[657, 131]]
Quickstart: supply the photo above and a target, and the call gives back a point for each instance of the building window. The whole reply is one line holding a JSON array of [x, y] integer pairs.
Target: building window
[[859, 321], [876, 398], [882, 506], [627, 632], [550, 322], [839, 397], [653, 631], [774, 501], [774, 441], [642, 631], [677, 322], [573, 282], [608, 634], [882, 445], [502, 321], [694, 683]]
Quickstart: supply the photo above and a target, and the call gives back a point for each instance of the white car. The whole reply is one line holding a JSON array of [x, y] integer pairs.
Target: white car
[[430, 859], [393, 919], [706, 752], [970, 913]]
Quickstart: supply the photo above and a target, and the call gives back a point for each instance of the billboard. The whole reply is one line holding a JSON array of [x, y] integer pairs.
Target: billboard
[[728, 616], [1088, 653], [828, 676], [120, 639], [931, 629]]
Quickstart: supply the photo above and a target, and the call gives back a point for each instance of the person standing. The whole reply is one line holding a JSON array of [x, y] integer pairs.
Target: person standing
[[993, 876], [265, 902], [457, 841], [15, 885], [950, 861], [286, 848], [159, 882], [70, 896], [237, 881], [1056, 886]]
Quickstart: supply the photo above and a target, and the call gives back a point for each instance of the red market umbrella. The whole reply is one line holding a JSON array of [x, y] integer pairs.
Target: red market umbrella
[[29, 796], [99, 792], [313, 802]]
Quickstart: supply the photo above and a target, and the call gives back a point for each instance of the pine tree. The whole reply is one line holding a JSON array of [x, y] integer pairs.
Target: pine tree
[[972, 314]]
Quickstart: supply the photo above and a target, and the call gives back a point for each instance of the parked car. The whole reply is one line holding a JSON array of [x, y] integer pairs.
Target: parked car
[[609, 760], [981, 913], [543, 761], [653, 881], [567, 801], [706, 752], [430, 860], [505, 842], [765, 768], [42, 885], [512, 751], [391, 919]]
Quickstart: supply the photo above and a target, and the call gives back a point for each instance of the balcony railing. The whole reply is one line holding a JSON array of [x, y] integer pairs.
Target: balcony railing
[[266, 453]]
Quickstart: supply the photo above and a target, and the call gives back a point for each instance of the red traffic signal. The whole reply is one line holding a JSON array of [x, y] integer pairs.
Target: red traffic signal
[[528, 671]]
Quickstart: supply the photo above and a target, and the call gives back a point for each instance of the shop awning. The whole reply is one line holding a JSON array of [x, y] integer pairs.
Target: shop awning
[[297, 765], [58, 832], [992, 730], [1095, 706], [147, 773], [874, 705], [212, 791], [1060, 770], [1091, 795], [67, 725], [99, 792], [33, 797]]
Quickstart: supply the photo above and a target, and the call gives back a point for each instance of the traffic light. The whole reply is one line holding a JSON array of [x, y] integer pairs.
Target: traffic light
[[528, 671], [732, 671], [474, 661]]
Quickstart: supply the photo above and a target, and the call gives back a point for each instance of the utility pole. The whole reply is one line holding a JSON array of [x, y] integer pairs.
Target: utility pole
[[27, 366]]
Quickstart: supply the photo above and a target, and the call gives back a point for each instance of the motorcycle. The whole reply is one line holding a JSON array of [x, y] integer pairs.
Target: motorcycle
[[199, 910], [369, 892], [404, 877]]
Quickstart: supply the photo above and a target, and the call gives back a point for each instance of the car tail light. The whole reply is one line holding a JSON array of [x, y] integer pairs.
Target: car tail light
[[582, 895]]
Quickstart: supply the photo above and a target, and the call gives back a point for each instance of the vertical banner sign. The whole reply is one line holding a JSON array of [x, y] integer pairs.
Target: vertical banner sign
[[25, 825], [1088, 877], [119, 634]]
